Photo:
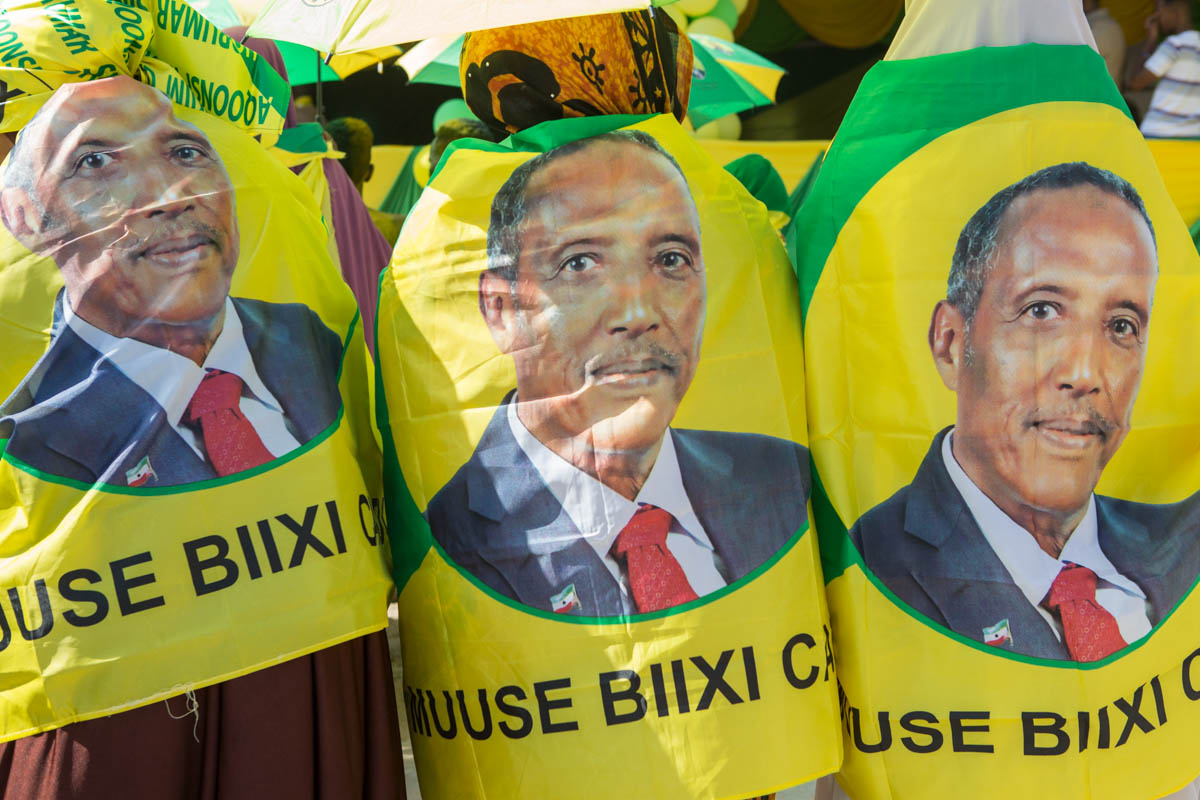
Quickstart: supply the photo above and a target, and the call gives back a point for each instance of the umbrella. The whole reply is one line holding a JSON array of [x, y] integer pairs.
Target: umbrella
[[346, 26], [219, 12], [229, 13], [346, 64], [302, 62], [433, 61], [726, 78]]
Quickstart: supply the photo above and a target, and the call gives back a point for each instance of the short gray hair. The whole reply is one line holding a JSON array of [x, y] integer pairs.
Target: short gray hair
[[980, 239], [509, 206]]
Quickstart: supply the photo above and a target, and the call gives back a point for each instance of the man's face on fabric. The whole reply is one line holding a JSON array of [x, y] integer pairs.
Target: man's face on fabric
[[1054, 356], [134, 205], [607, 312]]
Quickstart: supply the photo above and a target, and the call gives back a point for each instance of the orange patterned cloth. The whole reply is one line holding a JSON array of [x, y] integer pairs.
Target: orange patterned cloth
[[632, 62]]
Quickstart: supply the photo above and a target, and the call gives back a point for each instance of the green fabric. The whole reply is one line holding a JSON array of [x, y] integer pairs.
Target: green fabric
[[301, 63], [413, 538], [304, 138], [761, 179], [796, 199], [900, 107], [405, 189]]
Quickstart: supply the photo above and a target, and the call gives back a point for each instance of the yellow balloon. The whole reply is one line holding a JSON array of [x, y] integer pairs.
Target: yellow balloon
[[711, 26], [421, 168], [729, 127], [708, 130], [695, 8], [681, 19]]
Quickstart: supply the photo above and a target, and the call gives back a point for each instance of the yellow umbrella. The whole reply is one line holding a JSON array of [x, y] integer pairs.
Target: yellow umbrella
[[345, 64]]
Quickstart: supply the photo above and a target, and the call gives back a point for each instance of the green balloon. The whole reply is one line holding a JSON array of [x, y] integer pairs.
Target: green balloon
[[451, 109], [727, 12]]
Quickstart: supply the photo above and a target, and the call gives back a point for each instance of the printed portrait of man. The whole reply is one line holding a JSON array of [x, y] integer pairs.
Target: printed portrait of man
[[1042, 336], [580, 497], [154, 375]]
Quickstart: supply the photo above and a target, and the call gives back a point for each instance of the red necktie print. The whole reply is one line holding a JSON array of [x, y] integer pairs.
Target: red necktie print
[[230, 440], [655, 577], [1091, 633]]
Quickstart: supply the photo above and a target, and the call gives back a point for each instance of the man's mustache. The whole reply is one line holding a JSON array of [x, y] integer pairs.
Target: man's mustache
[[175, 231], [634, 357], [1080, 420]]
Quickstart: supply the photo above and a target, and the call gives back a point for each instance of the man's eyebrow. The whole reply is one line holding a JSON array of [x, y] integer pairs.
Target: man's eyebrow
[[107, 143], [187, 136], [1050, 288], [74, 152], [1137, 308], [600, 241], [681, 238]]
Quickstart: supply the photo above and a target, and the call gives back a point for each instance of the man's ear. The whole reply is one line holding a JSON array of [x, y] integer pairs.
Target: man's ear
[[948, 342], [22, 219], [370, 173], [496, 303]]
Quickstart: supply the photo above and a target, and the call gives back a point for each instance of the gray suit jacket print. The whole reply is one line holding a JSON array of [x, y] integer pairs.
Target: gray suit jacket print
[[498, 520], [924, 545]]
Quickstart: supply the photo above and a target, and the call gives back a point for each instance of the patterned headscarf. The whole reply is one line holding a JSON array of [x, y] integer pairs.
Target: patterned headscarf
[[633, 62]]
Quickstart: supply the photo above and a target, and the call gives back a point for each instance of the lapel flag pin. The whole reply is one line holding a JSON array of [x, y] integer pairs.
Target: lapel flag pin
[[999, 634], [141, 474], [565, 601]]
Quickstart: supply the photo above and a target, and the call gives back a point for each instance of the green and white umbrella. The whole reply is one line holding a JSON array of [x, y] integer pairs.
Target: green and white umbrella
[[726, 78], [301, 60]]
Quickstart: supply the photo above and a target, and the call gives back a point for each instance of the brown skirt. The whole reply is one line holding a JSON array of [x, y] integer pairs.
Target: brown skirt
[[319, 726]]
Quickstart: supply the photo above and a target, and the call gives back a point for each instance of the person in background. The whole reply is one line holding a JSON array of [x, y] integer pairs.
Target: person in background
[[407, 187], [452, 130], [1110, 39], [1173, 68], [355, 138], [362, 250], [303, 107]]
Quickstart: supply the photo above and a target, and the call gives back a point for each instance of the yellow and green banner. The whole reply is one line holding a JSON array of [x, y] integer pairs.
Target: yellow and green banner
[[166, 44], [189, 483], [597, 475], [1000, 305]]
